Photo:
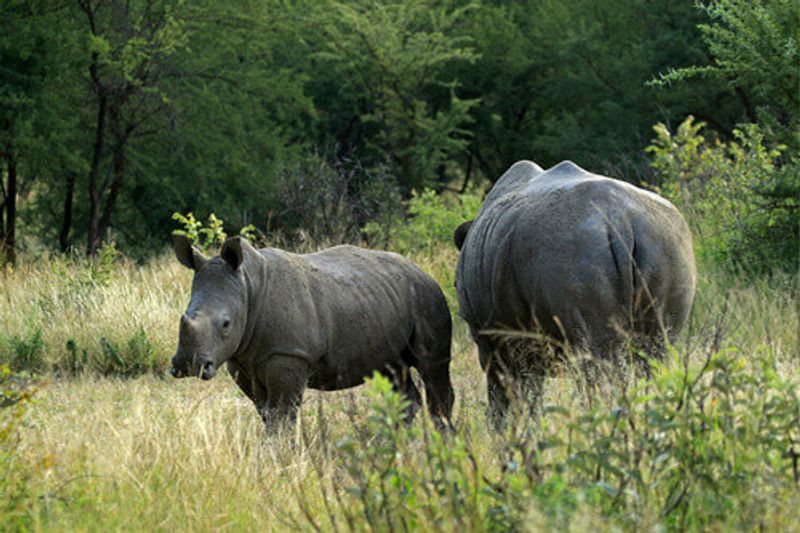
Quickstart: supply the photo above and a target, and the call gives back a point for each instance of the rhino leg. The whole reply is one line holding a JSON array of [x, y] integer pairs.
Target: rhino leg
[[439, 391], [497, 394], [514, 379], [429, 353], [403, 383], [286, 378], [249, 386]]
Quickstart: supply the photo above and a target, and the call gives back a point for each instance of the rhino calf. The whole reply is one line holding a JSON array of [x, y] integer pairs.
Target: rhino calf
[[582, 259], [283, 322]]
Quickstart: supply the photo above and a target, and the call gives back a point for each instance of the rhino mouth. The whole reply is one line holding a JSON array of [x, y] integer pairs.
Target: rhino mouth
[[203, 368], [207, 370]]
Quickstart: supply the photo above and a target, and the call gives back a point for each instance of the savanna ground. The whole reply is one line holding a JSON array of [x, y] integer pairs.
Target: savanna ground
[[712, 441]]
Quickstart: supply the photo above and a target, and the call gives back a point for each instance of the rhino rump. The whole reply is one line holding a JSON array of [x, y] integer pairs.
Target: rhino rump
[[586, 258]]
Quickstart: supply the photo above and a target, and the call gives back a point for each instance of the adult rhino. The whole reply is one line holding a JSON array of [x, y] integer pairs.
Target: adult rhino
[[283, 322], [580, 259]]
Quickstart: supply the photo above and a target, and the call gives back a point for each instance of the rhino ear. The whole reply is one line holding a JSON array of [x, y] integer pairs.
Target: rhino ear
[[460, 235], [233, 252], [188, 255]]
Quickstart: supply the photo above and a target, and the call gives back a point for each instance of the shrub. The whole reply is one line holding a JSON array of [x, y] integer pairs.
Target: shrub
[[329, 201], [25, 352], [742, 203], [432, 219], [135, 357], [399, 476], [77, 358], [15, 393], [712, 445]]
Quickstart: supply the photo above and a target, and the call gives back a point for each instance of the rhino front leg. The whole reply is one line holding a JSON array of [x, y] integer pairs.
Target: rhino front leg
[[247, 384], [285, 378]]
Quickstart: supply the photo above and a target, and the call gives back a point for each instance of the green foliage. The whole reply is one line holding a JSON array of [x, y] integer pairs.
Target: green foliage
[[408, 476], [701, 446], [204, 237], [25, 352], [212, 234], [397, 53], [690, 444], [209, 105], [328, 202], [136, 356], [566, 80], [91, 274], [756, 50], [432, 220], [15, 395], [742, 203], [76, 361]]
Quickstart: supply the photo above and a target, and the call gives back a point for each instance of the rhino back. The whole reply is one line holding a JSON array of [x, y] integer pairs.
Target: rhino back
[[346, 310], [571, 244]]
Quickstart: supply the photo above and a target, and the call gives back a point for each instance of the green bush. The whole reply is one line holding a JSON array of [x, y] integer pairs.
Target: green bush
[[77, 359], [135, 357], [208, 236], [25, 352], [324, 201], [15, 394], [432, 219], [741, 198], [712, 445], [400, 476]]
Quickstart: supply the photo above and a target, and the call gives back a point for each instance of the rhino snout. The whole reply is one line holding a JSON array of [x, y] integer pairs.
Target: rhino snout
[[178, 369], [198, 366], [207, 369]]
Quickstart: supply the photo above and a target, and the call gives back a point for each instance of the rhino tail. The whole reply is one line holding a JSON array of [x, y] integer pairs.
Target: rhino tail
[[623, 252], [642, 285]]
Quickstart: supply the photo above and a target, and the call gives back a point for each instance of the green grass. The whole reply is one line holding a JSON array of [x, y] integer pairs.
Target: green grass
[[109, 442]]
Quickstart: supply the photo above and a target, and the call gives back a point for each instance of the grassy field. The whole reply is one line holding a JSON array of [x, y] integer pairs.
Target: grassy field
[[110, 441]]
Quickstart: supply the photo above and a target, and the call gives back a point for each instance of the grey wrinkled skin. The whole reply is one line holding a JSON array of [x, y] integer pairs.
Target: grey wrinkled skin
[[283, 322], [581, 259]]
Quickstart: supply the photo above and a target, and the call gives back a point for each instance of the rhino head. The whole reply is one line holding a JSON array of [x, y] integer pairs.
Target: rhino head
[[213, 325]]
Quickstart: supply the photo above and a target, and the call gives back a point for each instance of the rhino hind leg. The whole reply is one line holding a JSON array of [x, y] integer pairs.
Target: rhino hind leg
[[429, 352], [498, 396], [515, 375], [403, 382], [439, 391], [433, 365]]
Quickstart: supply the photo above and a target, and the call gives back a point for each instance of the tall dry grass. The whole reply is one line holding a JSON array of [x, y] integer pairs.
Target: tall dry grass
[[148, 452]]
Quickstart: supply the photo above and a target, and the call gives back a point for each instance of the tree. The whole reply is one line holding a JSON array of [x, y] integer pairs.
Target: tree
[[389, 62], [132, 47], [566, 79], [755, 46], [29, 61]]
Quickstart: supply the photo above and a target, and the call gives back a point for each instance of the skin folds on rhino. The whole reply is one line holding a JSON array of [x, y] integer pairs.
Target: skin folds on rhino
[[283, 322], [583, 259]]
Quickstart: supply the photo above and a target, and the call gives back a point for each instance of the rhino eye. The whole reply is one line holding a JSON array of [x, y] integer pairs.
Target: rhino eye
[[226, 324]]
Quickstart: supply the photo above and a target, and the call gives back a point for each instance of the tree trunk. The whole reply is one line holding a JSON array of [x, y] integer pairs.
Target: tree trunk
[[2, 206], [93, 241], [118, 173], [66, 224], [467, 175], [9, 237]]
